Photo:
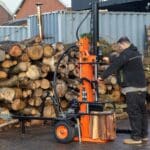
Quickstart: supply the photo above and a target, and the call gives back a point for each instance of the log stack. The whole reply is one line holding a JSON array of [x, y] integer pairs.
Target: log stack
[[147, 40], [111, 91], [26, 72], [146, 63]]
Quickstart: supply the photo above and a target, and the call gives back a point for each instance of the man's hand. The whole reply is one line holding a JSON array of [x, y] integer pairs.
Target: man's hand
[[106, 60], [100, 79]]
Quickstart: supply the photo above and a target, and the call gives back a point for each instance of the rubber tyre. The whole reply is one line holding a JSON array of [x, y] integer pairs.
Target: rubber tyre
[[64, 132]]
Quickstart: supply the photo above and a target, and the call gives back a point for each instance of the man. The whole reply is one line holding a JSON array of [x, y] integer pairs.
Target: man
[[132, 80]]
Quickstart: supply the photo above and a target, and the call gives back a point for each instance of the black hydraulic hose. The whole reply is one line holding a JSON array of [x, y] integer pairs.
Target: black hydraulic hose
[[55, 76], [77, 31]]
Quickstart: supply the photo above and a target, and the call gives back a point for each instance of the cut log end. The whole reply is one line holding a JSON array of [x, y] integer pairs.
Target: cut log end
[[35, 52], [15, 51]]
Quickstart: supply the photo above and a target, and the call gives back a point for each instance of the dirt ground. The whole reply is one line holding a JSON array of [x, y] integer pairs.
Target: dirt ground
[[41, 138]]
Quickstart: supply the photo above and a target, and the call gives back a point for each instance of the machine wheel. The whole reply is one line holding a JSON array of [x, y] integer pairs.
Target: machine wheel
[[64, 132]]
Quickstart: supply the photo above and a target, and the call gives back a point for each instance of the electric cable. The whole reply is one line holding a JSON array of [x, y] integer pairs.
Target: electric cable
[[77, 31], [55, 76]]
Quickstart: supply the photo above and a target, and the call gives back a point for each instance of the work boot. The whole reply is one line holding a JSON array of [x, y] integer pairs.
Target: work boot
[[132, 141]]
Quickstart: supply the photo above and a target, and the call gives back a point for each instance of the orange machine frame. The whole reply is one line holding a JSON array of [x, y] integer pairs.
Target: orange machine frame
[[86, 61]]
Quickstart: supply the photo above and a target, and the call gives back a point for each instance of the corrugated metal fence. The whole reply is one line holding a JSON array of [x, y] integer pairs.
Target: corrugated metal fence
[[62, 25], [13, 33], [50, 26]]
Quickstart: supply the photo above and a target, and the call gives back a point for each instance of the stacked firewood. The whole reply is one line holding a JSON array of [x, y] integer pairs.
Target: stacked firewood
[[147, 40], [26, 74], [109, 90], [146, 63]]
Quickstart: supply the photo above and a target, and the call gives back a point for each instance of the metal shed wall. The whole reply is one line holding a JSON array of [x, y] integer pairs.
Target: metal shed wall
[[13, 33], [50, 26], [61, 26]]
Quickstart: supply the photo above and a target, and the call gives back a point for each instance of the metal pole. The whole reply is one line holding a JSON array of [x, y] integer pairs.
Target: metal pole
[[95, 14], [95, 39], [39, 16]]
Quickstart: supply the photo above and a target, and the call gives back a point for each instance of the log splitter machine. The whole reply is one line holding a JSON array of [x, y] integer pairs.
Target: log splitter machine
[[87, 114]]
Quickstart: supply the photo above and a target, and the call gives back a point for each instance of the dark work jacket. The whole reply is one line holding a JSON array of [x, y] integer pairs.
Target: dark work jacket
[[128, 65]]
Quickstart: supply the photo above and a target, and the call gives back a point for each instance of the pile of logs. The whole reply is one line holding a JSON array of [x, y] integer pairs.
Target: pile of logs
[[146, 63], [111, 91], [26, 72], [147, 40]]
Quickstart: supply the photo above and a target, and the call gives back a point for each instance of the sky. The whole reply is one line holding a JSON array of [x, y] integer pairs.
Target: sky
[[11, 4]]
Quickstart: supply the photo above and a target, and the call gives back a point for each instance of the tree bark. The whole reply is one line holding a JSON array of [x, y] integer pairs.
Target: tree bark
[[49, 110], [38, 92], [102, 87], [116, 95], [27, 93], [24, 57], [18, 93], [36, 122], [45, 68], [9, 82], [33, 72], [36, 101], [31, 111], [2, 55], [48, 50], [71, 67], [7, 94], [3, 75], [9, 123], [51, 62], [37, 83], [18, 104], [61, 88], [31, 41], [111, 80], [8, 63], [20, 67], [60, 47], [70, 95]]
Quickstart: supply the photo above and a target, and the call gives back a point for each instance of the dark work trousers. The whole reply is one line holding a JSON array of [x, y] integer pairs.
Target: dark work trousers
[[136, 107]]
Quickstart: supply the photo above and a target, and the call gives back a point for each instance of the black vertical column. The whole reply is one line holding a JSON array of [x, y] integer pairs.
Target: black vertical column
[[95, 17], [95, 39]]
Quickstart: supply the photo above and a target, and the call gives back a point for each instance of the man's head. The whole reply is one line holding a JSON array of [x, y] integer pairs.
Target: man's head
[[123, 43]]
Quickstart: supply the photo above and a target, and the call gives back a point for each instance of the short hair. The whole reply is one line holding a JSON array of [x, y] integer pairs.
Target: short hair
[[123, 39]]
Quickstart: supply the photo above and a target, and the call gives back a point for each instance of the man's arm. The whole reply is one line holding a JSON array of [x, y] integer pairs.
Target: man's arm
[[117, 63]]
